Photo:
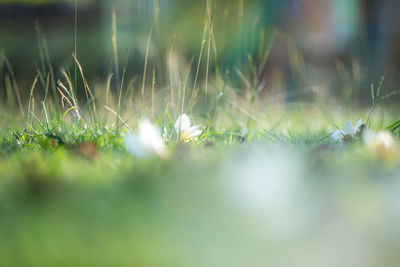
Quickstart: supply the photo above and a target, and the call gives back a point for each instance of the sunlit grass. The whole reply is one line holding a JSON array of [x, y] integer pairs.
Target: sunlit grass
[[240, 175]]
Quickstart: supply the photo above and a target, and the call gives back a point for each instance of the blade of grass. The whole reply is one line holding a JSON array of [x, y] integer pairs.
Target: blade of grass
[[185, 84], [13, 82], [115, 47], [108, 85], [10, 98], [203, 42], [41, 53], [75, 44], [70, 93], [120, 118], [1, 74], [122, 85], [31, 99], [87, 88], [45, 114], [147, 53], [152, 91], [171, 80]]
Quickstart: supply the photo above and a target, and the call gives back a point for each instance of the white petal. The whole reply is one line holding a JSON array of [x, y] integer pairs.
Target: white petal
[[188, 135], [197, 133], [182, 123], [191, 132], [146, 130], [146, 141], [337, 136], [349, 129], [358, 125]]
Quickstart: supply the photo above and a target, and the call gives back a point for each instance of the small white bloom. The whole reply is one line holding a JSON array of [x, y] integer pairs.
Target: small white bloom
[[352, 130], [337, 135], [146, 141], [184, 130], [349, 129]]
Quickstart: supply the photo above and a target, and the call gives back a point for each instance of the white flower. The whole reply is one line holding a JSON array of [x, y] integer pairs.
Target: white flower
[[184, 130], [349, 129], [337, 135], [146, 141]]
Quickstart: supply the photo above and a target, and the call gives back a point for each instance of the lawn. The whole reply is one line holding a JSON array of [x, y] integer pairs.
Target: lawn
[[193, 166], [77, 197]]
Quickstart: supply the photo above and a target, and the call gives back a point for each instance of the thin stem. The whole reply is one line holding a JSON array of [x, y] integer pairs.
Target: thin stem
[[152, 91], [115, 47], [147, 55], [75, 44]]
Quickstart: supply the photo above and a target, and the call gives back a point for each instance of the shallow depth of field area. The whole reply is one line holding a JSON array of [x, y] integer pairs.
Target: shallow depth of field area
[[199, 133]]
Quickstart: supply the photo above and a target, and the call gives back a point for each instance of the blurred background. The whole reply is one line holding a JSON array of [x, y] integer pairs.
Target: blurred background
[[330, 47]]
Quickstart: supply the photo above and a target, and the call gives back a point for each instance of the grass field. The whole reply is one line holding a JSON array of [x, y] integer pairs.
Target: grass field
[[110, 174]]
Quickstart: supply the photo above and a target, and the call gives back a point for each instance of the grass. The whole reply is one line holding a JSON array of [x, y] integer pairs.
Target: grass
[[61, 206], [263, 176]]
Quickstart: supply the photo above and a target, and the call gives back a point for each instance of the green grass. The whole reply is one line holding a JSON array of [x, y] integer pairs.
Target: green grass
[[61, 206], [263, 180]]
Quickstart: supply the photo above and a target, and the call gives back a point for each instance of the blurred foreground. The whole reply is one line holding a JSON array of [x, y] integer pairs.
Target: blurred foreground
[[253, 205]]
